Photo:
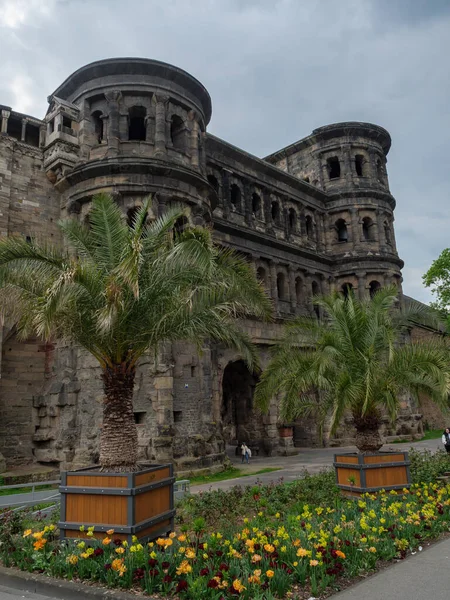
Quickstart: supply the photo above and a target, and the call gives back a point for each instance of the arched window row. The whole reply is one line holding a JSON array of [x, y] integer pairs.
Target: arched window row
[[363, 164], [138, 118]]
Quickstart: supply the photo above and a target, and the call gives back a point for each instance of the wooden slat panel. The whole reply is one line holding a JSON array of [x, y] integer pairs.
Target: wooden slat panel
[[151, 503], [74, 533], [101, 510], [341, 458], [344, 474], [149, 530], [143, 478], [97, 481], [386, 476], [384, 458]]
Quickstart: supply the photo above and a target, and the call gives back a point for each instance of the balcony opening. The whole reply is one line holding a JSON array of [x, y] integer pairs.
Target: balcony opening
[[256, 205], [281, 286], [309, 227], [32, 135], [178, 133], [368, 228], [136, 123], [98, 126], [374, 287], [261, 276], [235, 197], [347, 290], [213, 183], [275, 212], [380, 171], [15, 128], [334, 168], [387, 233], [360, 165], [177, 416], [181, 225], [292, 220], [67, 122], [51, 126], [341, 229]]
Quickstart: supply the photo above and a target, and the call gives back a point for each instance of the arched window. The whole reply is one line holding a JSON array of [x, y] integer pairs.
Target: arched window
[[360, 165], [256, 205], [341, 229], [180, 225], [235, 197], [136, 123], [387, 233], [347, 289], [334, 168], [374, 286], [213, 182], [309, 227], [368, 228], [261, 275], [281, 286], [275, 212], [177, 133], [298, 289], [292, 220], [98, 125]]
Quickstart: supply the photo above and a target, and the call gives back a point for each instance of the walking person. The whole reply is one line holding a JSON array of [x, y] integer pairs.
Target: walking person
[[445, 439], [246, 452]]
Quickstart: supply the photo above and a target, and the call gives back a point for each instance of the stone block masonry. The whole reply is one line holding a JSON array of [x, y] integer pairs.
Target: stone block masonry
[[314, 217]]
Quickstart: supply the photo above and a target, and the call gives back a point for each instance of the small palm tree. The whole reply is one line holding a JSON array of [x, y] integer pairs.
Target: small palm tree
[[121, 290], [355, 360]]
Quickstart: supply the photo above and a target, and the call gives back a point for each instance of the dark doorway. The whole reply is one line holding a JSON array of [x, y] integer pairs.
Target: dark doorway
[[240, 422]]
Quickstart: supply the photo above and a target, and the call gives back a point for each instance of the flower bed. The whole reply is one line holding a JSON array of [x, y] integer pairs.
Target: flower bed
[[267, 557]]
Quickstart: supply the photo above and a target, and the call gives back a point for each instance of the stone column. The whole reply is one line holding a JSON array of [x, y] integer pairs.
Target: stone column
[[332, 284], [160, 124], [346, 169], [226, 193], [150, 129], [247, 200], [162, 204], [356, 233], [321, 239], [273, 284], [24, 130], [113, 100], [361, 285], [292, 294], [5, 117], [380, 228], [194, 145], [42, 134], [267, 211]]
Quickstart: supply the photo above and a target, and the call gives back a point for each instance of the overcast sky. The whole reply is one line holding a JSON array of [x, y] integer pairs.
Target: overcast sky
[[275, 69]]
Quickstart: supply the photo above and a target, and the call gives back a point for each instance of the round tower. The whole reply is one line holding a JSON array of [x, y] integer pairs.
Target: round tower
[[129, 126], [348, 161]]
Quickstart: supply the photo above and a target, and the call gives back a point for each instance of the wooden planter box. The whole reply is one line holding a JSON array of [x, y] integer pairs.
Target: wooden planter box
[[286, 432], [372, 472], [140, 504]]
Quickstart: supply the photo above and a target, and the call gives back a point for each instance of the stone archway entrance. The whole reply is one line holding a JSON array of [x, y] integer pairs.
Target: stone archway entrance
[[241, 423]]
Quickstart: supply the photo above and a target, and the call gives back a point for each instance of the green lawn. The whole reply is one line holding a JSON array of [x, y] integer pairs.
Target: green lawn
[[231, 473], [25, 490], [429, 434]]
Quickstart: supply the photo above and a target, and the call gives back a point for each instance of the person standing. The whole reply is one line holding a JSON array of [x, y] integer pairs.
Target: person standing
[[246, 452], [445, 440]]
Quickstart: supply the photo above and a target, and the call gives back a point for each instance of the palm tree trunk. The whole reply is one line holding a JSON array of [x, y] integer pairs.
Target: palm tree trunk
[[368, 438], [118, 441]]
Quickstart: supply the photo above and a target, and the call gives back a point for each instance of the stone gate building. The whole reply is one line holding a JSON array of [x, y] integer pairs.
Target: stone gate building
[[313, 217]]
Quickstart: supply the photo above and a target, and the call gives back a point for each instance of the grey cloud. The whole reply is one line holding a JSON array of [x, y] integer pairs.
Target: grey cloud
[[275, 71]]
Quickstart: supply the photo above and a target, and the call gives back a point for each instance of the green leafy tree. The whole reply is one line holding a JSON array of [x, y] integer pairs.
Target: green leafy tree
[[119, 291], [438, 279], [356, 361]]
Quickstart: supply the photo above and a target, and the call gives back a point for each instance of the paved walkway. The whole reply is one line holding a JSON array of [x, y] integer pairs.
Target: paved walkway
[[419, 577], [312, 460]]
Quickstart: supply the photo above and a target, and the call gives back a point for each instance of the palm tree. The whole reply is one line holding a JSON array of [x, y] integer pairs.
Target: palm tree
[[354, 360], [121, 290]]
